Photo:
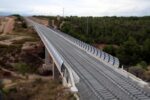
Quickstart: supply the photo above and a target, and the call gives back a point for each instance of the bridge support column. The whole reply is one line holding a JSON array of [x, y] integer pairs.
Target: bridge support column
[[49, 63], [47, 66], [56, 73], [48, 58]]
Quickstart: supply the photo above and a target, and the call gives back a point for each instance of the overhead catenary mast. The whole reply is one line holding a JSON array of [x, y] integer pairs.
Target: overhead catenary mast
[[63, 13], [87, 27]]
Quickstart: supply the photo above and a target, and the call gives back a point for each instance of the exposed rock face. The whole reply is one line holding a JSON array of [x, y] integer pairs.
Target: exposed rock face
[[32, 47]]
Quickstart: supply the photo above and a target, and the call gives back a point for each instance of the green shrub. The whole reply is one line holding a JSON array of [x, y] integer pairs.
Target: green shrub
[[38, 80], [1, 85], [142, 64], [24, 25], [22, 68], [4, 49], [137, 71]]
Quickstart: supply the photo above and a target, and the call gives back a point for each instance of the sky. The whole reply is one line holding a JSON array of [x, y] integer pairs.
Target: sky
[[77, 7]]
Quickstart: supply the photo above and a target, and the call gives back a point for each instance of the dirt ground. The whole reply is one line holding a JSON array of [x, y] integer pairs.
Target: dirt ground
[[41, 21], [7, 33], [38, 90], [100, 46], [32, 87], [7, 25], [10, 39]]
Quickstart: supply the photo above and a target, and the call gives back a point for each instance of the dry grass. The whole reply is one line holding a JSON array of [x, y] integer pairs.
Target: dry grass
[[4, 38], [38, 90]]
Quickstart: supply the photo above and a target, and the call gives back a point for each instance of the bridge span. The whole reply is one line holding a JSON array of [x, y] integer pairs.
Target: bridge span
[[90, 73]]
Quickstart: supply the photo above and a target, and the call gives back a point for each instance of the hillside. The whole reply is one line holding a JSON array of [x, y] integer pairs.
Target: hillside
[[21, 58]]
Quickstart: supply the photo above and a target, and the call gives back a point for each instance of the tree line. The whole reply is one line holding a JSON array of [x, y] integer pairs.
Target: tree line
[[128, 38]]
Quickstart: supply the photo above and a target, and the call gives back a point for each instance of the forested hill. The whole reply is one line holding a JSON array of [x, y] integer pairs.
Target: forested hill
[[128, 37]]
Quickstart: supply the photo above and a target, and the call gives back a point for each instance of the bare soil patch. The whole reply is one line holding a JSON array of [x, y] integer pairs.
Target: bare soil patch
[[41, 21], [7, 25]]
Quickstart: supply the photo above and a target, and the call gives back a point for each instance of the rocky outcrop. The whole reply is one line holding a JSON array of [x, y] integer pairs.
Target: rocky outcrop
[[32, 47]]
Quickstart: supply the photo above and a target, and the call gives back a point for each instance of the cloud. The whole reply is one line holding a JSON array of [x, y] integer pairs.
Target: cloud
[[78, 7]]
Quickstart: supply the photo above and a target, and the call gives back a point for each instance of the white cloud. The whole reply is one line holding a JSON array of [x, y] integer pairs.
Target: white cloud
[[46, 10], [80, 7]]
